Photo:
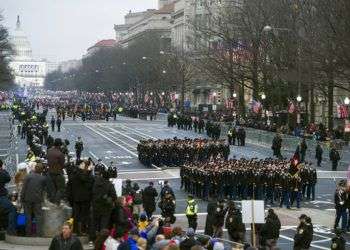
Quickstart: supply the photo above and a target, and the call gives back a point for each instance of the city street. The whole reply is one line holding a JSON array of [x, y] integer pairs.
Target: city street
[[116, 141]]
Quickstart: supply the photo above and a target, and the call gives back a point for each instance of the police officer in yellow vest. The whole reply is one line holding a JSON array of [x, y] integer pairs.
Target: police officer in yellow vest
[[191, 212]]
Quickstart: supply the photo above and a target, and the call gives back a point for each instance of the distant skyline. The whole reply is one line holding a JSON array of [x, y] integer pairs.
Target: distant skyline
[[61, 30]]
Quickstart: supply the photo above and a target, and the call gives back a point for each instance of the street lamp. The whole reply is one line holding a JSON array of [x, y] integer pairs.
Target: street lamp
[[164, 71], [234, 95], [267, 29], [151, 93], [161, 52], [299, 98], [163, 93], [346, 101], [144, 58], [214, 94], [263, 96]]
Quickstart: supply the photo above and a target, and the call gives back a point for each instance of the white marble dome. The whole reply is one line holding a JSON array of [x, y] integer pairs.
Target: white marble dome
[[20, 43]]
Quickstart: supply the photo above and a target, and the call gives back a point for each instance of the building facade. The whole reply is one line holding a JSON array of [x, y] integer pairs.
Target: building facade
[[27, 71]]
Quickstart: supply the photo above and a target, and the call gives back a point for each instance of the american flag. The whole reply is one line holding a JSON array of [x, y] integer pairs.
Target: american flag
[[342, 111], [291, 107], [256, 106]]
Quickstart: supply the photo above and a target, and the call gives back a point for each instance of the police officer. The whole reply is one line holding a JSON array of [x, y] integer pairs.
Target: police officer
[[304, 233], [191, 212]]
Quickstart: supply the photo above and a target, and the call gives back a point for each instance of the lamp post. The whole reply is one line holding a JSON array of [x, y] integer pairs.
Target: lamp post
[[299, 99]]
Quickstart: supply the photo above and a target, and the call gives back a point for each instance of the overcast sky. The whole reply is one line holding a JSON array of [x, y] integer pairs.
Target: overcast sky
[[64, 29]]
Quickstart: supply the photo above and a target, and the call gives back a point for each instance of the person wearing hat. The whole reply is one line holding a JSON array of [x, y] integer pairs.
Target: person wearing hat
[[304, 233], [191, 212], [149, 195]]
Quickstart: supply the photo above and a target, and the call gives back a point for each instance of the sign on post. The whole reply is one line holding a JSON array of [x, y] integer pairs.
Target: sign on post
[[253, 211], [118, 185]]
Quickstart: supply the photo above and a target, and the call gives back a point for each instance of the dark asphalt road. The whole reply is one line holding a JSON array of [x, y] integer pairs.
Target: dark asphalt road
[[117, 142]]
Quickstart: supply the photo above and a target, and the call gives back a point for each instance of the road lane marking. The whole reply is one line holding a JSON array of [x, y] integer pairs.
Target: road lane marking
[[122, 134], [118, 139], [110, 140], [143, 135]]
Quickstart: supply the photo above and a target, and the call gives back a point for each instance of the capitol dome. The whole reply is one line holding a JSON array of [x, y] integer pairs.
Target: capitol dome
[[20, 43]]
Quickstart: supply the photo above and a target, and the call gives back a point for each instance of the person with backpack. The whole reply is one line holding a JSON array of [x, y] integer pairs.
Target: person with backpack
[[191, 212]]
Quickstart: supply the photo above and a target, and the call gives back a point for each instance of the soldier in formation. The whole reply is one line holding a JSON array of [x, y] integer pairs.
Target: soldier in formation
[[176, 152], [269, 179]]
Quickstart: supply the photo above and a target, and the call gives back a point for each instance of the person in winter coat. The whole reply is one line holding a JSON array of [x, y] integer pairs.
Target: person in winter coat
[[32, 196], [103, 198], [167, 205], [276, 146], [56, 160], [218, 219], [66, 240], [318, 155], [79, 147], [149, 196], [234, 224], [338, 242], [334, 156], [304, 233], [270, 231], [211, 207], [79, 194], [137, 200], [340, 198], [303, 148], [127, 189]]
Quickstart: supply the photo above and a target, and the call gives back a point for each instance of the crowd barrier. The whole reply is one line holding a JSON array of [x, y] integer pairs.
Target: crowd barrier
[[7, 142]]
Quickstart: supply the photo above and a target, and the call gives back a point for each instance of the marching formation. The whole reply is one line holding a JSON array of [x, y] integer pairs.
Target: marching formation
[[271, 180], [176, 152]]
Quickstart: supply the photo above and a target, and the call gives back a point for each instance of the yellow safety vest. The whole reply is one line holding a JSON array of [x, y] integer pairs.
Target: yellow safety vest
[[192, 207]]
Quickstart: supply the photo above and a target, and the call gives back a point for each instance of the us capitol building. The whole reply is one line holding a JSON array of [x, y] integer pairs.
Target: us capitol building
[[28, 72]]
